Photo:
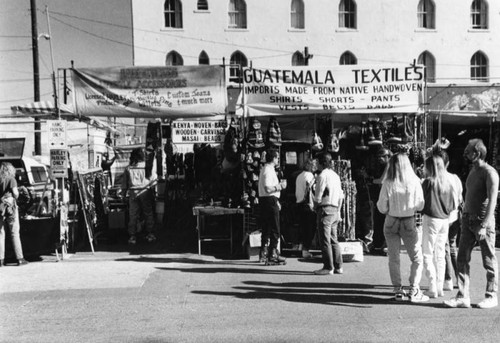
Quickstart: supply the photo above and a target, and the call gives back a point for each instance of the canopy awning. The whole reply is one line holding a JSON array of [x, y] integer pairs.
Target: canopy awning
[[47, 110], [467, 105]]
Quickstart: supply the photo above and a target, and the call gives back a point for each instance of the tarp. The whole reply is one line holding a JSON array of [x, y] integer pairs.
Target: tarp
[[468, 104], [150, 92], [346, 89], [47, 110]]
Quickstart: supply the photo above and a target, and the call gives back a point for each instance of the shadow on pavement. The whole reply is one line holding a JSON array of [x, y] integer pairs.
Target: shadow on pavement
[[339, 294]]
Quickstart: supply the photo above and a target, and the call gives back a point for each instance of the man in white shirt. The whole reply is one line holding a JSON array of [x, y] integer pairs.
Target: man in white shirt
[[328, 198], [269, 192]]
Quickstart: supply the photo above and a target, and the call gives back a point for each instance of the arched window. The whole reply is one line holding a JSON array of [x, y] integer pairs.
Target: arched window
[[347, 14], [298, 59], [479, 15], [237, 60], [429, 62], [479, 67], [237, 14], [297, 14], [426, 14], [203, 58], [202, 5], [174, 59], [348, 58], [172, 9]]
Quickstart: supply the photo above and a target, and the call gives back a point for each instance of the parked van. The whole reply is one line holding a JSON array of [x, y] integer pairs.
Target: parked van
[[29, 173]]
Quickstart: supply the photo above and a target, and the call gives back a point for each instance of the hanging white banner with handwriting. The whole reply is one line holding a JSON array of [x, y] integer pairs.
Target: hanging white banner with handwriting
[[154, 92], [339, 89]]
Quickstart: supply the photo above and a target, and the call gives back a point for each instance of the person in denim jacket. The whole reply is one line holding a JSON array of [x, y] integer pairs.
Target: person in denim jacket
[[478, 226], [401, 196]]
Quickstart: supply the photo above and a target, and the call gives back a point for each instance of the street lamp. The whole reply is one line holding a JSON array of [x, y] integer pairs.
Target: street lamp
[[48, 36]]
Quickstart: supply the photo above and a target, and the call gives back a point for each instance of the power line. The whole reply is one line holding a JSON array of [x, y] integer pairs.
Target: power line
[[286, 53], [13, 36], [14, 50], [24, 80]]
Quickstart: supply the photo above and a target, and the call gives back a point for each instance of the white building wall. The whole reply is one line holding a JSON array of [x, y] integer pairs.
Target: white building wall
[[386, 32]]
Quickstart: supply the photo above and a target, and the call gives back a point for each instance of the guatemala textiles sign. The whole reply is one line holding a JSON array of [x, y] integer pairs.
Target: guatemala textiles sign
[[198, 131], [155, 92], [340, 89]]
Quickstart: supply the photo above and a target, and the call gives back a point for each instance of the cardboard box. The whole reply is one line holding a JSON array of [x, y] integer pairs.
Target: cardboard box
[[352, 251]]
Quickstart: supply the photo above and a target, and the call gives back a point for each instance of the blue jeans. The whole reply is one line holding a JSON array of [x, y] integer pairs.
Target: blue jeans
[[137, 204], [328, 219], [470, 225], [11, 224], [395, 230]]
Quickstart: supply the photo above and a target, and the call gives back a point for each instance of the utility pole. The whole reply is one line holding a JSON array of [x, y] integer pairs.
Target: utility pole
[[307, 57], [36, 75]]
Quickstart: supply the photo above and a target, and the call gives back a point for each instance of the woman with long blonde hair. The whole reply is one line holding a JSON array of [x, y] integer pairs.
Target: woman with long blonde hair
[[400, 198], [9, 214], [439, 203]]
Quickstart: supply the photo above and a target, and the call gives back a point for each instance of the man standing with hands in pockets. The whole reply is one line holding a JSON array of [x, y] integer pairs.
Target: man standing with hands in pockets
[[478, 225], [328, 198]]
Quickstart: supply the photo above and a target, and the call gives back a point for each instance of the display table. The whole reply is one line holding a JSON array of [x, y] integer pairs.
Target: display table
[[201, 212]]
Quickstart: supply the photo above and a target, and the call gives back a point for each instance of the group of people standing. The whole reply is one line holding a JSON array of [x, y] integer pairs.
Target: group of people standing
[[319, 198], [437, 198]]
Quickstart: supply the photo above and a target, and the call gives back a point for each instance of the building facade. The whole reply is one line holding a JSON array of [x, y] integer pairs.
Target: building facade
[[457, 40]]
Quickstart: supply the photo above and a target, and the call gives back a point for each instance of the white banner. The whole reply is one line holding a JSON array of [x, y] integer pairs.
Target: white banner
[[340, 89], [154, 92], [198, 131]]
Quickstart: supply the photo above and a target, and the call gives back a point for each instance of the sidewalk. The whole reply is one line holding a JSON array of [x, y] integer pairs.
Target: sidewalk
[[116, 296]]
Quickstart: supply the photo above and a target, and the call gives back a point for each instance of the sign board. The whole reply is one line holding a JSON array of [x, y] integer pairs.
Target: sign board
[[59, 163], [338, 89], [56, 130], [150, 92], [198, 131]]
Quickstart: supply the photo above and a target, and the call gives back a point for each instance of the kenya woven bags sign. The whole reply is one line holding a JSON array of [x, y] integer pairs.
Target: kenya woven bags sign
[[198, 131], [150, 92], [340, 89]]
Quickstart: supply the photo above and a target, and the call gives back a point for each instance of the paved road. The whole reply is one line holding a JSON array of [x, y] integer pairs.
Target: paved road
[[166, 297]]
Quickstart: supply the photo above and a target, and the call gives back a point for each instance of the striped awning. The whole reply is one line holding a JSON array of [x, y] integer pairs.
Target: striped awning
[[47, 110]]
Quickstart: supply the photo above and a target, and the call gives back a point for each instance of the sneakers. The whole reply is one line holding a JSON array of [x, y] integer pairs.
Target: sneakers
[[457, 303], [448, 285], [323, 272], [400, 294], [22, 262], [132, 240], [150, 237], [338, 271], [416, 296], [306, 254], [488, 302], [431, 294]]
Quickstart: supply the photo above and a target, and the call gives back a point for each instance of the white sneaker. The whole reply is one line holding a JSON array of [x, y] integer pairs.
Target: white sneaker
[[431, 294], [416, 296], [488, 302], [457, 303], [132, 240], [306, 254], [323, 272], [448, 285]]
